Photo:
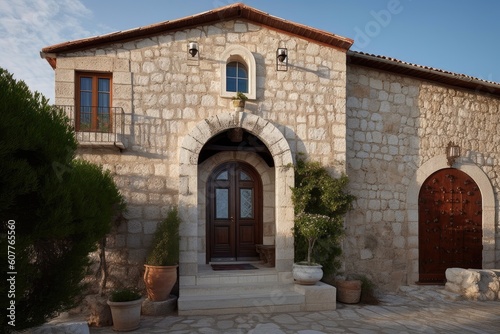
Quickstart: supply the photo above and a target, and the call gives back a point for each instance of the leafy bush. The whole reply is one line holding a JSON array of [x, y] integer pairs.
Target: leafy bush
[[320, 203], [61, 206], [165, 246], [124, 295]]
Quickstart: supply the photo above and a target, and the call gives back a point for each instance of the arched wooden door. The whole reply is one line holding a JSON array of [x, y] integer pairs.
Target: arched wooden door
[[450, 225], [234, 212]]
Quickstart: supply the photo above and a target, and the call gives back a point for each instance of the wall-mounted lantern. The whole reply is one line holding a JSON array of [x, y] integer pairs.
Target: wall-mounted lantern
[[452, 153], [193, 48], [282, 59]]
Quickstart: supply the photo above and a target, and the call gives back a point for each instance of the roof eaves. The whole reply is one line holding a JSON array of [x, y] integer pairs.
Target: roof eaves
[[424, 72], [237, 10]]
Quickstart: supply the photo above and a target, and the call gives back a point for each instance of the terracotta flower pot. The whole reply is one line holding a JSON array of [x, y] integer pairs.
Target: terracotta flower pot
[[239, 104], [159, 281], [349, 292]]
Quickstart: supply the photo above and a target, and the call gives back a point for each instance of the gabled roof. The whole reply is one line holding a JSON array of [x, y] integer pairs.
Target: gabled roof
[[244, 12], [233, 11], [423, 72]]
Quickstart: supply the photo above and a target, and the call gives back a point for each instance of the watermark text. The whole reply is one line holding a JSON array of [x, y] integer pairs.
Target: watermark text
[[11, 272]]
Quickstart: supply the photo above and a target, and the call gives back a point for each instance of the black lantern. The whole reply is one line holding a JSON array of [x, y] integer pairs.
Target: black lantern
[[282, 59]]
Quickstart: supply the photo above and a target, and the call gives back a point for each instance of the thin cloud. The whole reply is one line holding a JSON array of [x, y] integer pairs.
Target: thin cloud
[[26, 26]]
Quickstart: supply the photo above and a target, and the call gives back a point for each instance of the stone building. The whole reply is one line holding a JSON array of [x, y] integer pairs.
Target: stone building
[[159, 116]]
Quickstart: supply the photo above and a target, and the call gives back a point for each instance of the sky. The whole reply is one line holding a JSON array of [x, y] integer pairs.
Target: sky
[[461, 36]]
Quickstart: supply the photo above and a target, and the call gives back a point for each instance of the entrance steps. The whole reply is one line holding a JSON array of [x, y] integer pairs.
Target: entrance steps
[[251, 292]]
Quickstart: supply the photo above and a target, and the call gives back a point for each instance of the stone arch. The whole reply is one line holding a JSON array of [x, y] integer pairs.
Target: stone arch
[[188, 186], [476, 173]]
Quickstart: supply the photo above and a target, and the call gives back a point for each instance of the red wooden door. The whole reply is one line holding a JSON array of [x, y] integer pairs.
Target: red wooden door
[[450, 225], [234, 214]]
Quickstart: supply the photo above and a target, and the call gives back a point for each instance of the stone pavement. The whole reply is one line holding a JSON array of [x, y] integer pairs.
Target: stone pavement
[[413, 310]]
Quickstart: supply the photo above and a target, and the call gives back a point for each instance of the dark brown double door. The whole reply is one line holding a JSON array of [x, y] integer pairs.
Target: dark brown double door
[[450, 225], [234, 212]]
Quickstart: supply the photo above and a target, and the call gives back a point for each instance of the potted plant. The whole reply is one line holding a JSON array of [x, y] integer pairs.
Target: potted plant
[[349, 290], [239, 100], [354, 289], [125, 307], [311, 227], [160, 273], [320, 203]]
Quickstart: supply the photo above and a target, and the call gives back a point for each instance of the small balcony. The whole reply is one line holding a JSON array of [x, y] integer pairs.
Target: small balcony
[[97, 126]]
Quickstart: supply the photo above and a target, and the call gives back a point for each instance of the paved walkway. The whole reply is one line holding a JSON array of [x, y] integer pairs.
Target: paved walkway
[[416, 310]]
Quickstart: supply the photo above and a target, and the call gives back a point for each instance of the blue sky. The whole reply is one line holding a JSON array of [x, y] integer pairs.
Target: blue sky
[[461, 36]]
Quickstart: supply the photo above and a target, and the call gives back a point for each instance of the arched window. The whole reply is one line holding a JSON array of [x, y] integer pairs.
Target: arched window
[[238, 72], [236, 77]]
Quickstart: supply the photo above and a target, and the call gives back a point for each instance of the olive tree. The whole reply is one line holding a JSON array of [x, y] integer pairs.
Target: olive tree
[[320, 204]]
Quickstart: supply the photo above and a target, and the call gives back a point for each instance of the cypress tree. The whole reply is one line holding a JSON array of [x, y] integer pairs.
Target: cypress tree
[[59, 207]]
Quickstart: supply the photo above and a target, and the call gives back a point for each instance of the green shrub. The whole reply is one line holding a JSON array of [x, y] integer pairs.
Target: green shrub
[[61, 206], [165, 246], [124, 295], [320, 203], [240, 96]]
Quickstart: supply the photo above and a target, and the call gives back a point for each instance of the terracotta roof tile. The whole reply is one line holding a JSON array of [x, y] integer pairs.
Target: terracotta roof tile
[[242, 11], [423, 72], [233, 11]]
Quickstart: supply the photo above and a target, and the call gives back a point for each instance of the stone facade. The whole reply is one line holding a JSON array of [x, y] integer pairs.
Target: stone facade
[[173, 107], [397, 127], [387, 131]]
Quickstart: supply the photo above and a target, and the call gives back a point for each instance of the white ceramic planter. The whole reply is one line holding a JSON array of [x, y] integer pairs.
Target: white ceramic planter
[[126, 315], [307, 274]]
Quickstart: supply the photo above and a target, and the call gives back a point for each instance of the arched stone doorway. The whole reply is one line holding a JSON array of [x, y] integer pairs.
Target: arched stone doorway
[[412, 209], [450, 225], [190, 210]]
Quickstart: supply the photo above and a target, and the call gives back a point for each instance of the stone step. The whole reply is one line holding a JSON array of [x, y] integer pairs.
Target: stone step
[[246, 301], [236, 279], [229, 277], [256, 298], [229, 289]]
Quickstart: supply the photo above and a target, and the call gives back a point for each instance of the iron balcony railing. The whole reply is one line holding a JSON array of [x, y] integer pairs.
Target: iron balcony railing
[[96, 124]]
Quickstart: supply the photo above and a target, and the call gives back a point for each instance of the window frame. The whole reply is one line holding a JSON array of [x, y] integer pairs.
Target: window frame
[[95, 76], [238, 53]]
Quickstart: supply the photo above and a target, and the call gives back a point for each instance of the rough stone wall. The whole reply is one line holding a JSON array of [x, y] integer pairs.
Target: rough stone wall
[[395, 124], [164, 95]]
